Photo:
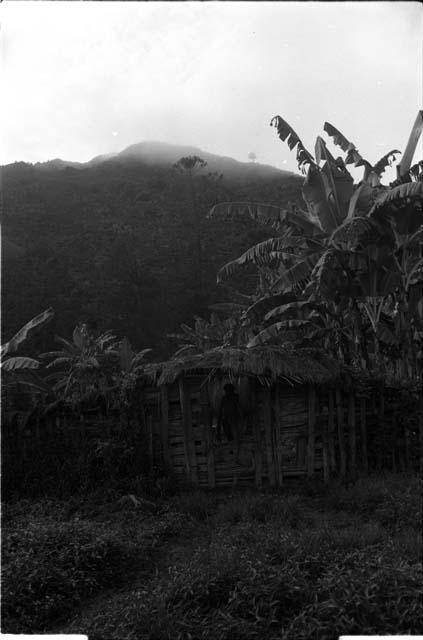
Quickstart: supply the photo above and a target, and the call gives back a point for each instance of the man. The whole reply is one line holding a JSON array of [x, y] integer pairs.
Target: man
[[229, 414]]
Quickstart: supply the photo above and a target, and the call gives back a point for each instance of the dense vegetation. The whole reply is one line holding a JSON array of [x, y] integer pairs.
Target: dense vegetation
[[123, 244], [308, 563], [129, 245]]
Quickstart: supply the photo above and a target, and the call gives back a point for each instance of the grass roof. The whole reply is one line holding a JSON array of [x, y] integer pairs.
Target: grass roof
[[266, 362]]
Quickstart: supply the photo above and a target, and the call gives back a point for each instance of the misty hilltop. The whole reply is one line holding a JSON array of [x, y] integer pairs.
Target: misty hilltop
[[164, 154]]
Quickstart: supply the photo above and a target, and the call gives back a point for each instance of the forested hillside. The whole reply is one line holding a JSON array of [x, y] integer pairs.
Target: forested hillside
[[124, 243]]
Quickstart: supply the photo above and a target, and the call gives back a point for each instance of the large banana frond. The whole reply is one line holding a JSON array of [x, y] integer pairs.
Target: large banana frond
[[353, 156], [258, 309], [267, 214], [404, 204], [273, 333], [297, 308], [23, 333], [19, 363], [357, 231], [400, 195], [338, 138], [268, 252], [385, 161], [296, 275], [287, 134], [321, 151]]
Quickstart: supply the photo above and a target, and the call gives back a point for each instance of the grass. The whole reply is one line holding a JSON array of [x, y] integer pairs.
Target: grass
[[300, 565]]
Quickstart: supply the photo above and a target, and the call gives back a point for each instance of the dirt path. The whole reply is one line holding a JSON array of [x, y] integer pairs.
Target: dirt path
[[95, 616]]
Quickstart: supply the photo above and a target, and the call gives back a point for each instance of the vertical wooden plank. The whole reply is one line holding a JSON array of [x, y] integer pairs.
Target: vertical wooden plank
[[341, 434], [189, 444], [150, 437], [324, 423], [278, 439], [352, 434], [331, 431], [164, 412], [407, 448], [207, 419], [394, 441], [363, 433], [381, 428], [257, 448], [311, 439], [421, 434], [267, 416]]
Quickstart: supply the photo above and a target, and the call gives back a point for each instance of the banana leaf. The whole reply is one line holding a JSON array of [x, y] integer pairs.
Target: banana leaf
[[295, 275], [404, 204], [19, 363], [258, 309], [385, 161], [268, 215], [26, 330], [287, 134]]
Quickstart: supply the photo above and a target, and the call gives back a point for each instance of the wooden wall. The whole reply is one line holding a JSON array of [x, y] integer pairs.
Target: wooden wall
[[290, 431]]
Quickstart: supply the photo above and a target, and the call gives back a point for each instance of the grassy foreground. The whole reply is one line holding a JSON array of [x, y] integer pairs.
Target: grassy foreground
[[304, 564]]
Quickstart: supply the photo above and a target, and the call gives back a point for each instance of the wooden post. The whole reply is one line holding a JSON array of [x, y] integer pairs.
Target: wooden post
[[257, 449], [278, 440], [325, 441], [164, 410], [363, 431], [394, 441], [352, 434], [408, 464], [381, 429], [341, 435], [267, 416], [421, 434], [331, 431], [311, 440], [189, 444], [150, 437], [207, 419]]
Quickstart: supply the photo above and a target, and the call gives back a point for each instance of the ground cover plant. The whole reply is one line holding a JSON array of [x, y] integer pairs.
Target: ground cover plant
[[245, 565], [55, 554]]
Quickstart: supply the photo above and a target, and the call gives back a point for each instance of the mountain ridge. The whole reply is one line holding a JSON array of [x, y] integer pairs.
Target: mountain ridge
[[159, 153]]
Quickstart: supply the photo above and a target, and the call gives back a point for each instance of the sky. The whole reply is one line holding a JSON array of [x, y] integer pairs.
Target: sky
[[85, 78]]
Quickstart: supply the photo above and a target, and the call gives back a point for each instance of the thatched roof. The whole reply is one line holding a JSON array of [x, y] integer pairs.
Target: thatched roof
[[268, 363]]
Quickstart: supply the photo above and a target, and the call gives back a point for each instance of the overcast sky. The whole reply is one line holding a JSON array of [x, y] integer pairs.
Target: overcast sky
[[86, 78]]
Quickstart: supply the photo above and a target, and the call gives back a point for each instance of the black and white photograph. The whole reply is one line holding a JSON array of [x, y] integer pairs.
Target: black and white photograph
[[211, 319]]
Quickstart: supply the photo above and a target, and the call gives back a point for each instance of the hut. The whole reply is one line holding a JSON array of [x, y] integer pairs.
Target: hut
[[281, 394]]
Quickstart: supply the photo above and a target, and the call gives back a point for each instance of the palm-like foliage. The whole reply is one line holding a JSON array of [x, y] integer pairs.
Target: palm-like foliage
[[82, 367], [214, 333], [350, 259]]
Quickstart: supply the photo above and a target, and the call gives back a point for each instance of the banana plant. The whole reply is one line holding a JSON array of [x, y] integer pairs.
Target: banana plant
[[82, 367], [332, 202], [356, 250], [129, 371], [22, 387]]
